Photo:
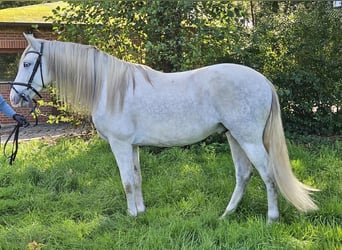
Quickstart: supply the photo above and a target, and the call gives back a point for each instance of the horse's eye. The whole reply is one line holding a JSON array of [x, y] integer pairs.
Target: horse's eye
[[26, 64]]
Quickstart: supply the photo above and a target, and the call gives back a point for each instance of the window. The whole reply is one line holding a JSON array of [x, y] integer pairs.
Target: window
[[8, 66]]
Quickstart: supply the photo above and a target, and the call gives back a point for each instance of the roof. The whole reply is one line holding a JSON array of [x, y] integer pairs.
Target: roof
[[29, 14]]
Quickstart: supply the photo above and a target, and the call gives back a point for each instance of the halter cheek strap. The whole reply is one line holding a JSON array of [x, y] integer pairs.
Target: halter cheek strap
[[37, 64]]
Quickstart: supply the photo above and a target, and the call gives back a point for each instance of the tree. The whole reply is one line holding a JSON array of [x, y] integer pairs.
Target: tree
[[296, 44], [166, 35], [299, 50]]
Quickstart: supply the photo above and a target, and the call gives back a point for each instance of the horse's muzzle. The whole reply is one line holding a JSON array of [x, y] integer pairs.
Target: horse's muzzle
[[19, 100]]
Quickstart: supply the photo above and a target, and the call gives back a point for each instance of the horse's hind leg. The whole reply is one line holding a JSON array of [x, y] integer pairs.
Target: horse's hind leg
[[258, 155], [243, 171]]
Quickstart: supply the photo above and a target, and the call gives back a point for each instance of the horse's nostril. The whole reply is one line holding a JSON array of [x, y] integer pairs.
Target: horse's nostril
[[24, 97]]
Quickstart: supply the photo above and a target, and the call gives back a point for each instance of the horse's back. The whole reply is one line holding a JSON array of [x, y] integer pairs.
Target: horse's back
[[231, 88], [225, 77]]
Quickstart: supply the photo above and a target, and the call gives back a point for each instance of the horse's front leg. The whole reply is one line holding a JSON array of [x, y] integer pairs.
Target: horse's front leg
[[123, 153], [137, 181]]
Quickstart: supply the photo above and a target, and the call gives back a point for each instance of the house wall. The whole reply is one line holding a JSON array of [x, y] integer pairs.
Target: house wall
[[12, 39]]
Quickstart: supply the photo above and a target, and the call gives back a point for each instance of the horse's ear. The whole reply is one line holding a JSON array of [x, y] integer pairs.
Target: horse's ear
[[32, 41]]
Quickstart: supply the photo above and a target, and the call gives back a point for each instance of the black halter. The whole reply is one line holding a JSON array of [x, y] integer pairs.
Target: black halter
[[27, 98], [32, 102], [34, 71]]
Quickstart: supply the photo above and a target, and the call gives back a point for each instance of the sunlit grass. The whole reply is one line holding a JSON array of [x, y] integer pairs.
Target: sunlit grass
[[67, 194], [31, 14]]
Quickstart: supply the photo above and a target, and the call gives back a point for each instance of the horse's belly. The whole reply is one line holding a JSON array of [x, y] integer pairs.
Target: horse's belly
[[175, 135]]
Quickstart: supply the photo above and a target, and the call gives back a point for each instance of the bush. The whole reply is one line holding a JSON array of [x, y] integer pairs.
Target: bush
[[300, 52], [296, 45]]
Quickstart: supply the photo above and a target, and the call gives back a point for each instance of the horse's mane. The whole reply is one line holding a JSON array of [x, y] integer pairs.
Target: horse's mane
[[80, 71]]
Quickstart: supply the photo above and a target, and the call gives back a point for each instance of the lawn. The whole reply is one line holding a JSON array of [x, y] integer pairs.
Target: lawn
[[32, 13], [67, 194]]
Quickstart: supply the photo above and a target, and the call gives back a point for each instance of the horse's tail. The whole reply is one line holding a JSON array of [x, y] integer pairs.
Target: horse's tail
[[274, 140]]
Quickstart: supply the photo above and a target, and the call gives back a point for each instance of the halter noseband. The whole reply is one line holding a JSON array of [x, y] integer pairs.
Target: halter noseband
[[34, 71]]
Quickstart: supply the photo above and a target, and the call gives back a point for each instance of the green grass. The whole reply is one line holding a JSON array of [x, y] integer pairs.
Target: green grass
[[30, 14], [67, 194]]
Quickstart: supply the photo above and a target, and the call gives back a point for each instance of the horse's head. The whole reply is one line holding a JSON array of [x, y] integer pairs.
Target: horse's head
[[31, 73]]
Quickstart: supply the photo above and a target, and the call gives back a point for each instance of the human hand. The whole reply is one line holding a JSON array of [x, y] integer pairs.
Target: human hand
[[22, 122]]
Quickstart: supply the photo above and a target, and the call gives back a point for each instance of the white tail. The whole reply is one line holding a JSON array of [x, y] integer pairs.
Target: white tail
[[291, 188]]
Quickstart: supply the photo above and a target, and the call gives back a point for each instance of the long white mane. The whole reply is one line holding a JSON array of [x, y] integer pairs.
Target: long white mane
[[81, 70]]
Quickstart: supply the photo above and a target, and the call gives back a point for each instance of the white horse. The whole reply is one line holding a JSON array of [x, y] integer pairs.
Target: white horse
[[133, 105]]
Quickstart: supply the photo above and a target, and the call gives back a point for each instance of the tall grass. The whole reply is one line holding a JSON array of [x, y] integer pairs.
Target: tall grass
[[67, 194]]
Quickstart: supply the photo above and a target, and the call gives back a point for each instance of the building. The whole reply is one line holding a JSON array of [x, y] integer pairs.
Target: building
[[13, 23]]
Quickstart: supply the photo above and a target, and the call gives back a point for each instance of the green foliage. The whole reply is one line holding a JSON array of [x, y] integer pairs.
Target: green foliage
[[299, 51], [183, 35], [65, 113], [166, 35], [295, 44], [67, 194]]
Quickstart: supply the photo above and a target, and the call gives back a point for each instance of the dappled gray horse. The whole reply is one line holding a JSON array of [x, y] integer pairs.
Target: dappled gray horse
[[133, 105]]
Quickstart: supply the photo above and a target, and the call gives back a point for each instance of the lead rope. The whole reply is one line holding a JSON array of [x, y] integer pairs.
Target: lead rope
[[16, 129], [13, 155]]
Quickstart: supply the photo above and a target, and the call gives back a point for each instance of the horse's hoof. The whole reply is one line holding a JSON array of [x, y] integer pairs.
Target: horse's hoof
[[272, 220]]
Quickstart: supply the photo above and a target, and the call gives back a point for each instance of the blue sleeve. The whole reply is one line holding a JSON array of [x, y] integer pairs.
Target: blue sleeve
[[5, 108]]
